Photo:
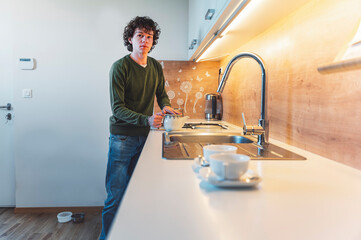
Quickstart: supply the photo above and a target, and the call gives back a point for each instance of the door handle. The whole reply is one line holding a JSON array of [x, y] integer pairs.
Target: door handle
[[7, 107]]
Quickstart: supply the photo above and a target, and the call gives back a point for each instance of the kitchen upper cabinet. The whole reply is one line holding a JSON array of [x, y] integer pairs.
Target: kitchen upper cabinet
[[234, 23], [202, 16]]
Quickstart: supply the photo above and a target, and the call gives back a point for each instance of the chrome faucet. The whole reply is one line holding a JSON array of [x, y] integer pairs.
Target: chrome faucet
[[261, 130]]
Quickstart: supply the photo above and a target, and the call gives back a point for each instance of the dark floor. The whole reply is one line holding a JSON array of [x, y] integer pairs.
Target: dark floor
[[43, 226]]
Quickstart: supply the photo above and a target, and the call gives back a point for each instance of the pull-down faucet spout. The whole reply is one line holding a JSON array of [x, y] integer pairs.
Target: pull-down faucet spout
[[262, 129]]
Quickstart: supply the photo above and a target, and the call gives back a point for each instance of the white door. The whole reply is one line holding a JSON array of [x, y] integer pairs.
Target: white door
[[7, 165]]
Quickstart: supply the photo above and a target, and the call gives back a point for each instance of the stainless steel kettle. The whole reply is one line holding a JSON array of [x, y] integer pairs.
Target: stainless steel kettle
[[214, 108]]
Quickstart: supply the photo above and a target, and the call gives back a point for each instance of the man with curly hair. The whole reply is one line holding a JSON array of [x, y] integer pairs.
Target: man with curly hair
[[135, 80]]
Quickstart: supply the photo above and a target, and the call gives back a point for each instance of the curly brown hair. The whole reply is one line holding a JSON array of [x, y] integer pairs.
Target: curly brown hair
[[144, 23]]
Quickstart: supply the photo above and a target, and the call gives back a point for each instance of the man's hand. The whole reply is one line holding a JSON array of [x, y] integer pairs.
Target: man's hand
[[169, 110], [156, 120]]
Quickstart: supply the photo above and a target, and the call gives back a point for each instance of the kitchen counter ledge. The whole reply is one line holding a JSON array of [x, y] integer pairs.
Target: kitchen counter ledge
[[313, 199]]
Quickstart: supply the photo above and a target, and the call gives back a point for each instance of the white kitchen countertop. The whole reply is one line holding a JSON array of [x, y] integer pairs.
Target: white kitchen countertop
[[313, 199]]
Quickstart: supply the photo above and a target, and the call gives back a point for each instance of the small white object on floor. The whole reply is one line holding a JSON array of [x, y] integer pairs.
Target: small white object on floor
[[64, 217]]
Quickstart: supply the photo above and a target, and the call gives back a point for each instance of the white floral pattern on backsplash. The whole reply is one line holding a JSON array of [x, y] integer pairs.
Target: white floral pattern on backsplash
[[199, 95], [180, 102], [186, 84], [171, 95], [186, 87]]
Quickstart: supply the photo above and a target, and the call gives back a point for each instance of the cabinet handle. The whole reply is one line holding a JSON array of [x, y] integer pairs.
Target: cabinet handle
[[193, 43], [210, 13]]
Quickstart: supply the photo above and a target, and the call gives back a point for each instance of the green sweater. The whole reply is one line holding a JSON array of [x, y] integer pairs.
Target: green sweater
[[132, 91]]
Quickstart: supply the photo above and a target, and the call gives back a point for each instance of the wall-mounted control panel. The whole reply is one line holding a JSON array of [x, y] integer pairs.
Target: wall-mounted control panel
[[26, 63]]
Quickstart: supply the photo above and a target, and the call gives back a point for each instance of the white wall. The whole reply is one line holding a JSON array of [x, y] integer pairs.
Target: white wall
[[61, 134]]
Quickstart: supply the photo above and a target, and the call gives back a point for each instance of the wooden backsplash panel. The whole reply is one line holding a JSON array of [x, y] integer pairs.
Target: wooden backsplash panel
[[319, 113], [187, 83]]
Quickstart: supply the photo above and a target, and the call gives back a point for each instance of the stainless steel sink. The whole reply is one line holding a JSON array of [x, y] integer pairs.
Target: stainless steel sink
[[188, 145], [207, 138]]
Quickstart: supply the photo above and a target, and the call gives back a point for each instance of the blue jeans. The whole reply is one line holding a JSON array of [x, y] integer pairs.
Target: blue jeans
[[123, 155]]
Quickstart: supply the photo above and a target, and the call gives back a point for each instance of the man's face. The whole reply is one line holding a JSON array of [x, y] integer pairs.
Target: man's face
[[142, 41]]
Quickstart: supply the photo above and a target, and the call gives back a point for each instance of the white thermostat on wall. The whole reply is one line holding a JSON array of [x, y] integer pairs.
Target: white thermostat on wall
[[26, 63]]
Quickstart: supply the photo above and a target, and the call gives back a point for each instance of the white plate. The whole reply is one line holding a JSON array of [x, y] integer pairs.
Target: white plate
[[249, 179]]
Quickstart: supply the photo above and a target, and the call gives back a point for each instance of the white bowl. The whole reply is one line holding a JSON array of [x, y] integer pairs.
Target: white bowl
[[174, 122], [64, 217], [228, 165], [212, 149]]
